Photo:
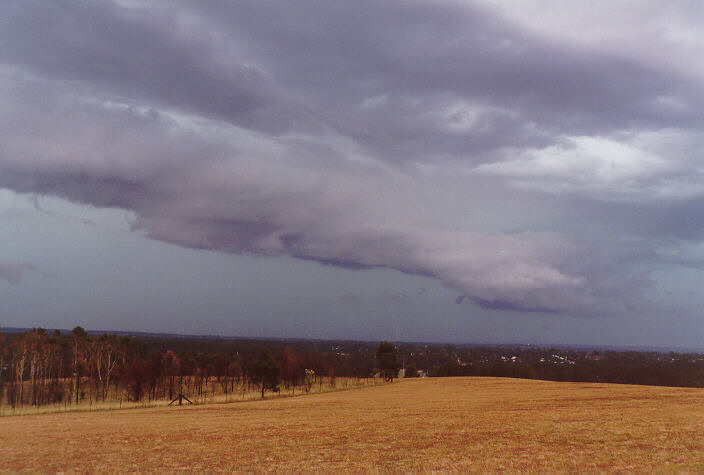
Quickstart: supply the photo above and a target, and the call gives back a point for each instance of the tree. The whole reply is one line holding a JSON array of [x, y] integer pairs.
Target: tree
[[387, 360], [136, 376], [3, 354], [112, 351], [54, 368], [234, 372], [171, 368], [411, 371], [79, 341], [265, 371], [291, 368], [309, 379], [20, 351]]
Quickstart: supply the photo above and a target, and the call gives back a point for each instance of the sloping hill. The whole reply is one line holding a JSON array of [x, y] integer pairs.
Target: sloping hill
[[430, 424]]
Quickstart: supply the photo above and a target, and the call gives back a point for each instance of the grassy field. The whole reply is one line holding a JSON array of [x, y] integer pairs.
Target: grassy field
[[420, 425]]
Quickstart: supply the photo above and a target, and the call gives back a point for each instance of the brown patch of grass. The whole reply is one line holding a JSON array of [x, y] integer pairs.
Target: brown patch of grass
[[482, 424]]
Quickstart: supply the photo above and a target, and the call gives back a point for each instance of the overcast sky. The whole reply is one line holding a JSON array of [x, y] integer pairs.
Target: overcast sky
[[526, 171]]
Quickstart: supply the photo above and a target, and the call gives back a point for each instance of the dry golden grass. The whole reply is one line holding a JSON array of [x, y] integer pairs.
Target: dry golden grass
[[482, 424]]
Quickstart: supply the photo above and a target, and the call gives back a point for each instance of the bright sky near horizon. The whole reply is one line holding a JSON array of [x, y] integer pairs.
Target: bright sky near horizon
[[469, 171]]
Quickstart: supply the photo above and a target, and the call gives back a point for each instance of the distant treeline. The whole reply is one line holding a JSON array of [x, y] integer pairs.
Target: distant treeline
[[39, 367], [626, 367], [357, 359]]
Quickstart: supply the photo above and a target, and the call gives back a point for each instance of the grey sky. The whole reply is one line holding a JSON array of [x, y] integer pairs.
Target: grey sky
[[200, 161]]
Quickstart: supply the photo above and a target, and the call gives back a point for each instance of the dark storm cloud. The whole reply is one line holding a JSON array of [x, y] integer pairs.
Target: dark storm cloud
[[443, 79], [315, 129], [130, 53], [396, 78], [349, 297]]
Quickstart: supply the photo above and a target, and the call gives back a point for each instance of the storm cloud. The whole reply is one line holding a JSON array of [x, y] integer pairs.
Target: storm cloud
[[13, 272], [530, 169]]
